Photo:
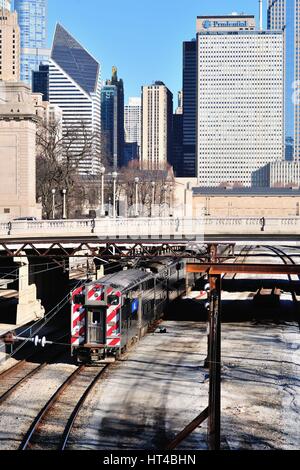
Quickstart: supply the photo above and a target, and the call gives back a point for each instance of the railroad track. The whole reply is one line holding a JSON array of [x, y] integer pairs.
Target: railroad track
[[51, 428], [239, 259], [12, 378], [288, 260]]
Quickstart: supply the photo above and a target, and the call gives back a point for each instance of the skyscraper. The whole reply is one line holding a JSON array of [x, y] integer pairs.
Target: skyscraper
[[74, 86], [157, 117], [40, 81], [188, 168], [109, 141], [285, 15], [32, 17], [9, 46], [133, 121], [177, 146], [112, 117], [240, 99], [5, 4]]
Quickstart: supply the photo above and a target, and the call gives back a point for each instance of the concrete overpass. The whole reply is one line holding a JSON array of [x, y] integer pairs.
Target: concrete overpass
[[205, 230]]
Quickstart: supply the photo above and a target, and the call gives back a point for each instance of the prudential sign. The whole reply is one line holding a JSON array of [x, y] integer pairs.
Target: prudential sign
[[224, 24]]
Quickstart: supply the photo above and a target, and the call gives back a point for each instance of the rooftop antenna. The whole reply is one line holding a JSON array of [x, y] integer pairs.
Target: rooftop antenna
[[261, 15]]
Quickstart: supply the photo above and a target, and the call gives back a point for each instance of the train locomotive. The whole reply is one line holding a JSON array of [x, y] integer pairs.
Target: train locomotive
[[110, 314]]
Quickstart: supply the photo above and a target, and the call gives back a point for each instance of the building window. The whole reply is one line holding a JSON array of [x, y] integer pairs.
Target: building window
[[6, 211]]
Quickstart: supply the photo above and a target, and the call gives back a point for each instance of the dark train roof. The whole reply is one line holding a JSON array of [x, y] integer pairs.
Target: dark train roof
[[125, 279], [158, 264]]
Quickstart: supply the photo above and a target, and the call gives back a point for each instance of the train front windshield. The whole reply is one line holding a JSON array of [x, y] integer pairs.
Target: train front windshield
[[96, 333]]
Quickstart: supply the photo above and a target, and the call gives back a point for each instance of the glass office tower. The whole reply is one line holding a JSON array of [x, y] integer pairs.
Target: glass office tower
[[109, 100], [188, 167], [40, 81], [32, 17], [74, 86], [112, 115], [285, 14]]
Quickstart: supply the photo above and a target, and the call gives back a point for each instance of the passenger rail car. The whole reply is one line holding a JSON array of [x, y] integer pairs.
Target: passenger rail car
[[110, 314]]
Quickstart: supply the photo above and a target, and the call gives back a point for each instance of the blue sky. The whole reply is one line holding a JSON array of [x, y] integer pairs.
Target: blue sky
[[142, 38]]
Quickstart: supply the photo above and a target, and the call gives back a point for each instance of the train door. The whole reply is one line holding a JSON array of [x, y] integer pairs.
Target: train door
[[96, 333]]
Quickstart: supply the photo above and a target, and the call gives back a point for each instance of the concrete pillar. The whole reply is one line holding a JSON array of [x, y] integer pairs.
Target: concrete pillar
[[100, 272], [29, 306], [51, 280]]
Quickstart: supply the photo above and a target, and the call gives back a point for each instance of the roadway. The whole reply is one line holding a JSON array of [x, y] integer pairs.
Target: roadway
[[169, 229]]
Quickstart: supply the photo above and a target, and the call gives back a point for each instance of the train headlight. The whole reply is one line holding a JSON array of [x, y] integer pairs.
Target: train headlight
[[207, 287]]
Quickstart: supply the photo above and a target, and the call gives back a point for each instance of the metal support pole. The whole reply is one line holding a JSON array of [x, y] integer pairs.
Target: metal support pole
[[53, 203], [114, 200], [102, 212], [214, 407], [153, 184], [137, 180], [64, 204], [213, 251], [114, 177]]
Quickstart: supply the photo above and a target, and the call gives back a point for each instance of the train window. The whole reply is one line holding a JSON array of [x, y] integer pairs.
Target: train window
[[96, 317], [113, 300], [79, 299]]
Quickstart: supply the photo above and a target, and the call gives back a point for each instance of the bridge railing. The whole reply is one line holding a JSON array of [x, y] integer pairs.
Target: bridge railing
[[156, 228]]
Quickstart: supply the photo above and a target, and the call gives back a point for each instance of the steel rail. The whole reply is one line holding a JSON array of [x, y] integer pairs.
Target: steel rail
[[11, 369], [282, 254], [17, 384], [71, 420], [22, 362], [26, 440]]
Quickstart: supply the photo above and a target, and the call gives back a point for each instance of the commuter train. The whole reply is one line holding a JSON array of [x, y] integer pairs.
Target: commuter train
[[110, 314]]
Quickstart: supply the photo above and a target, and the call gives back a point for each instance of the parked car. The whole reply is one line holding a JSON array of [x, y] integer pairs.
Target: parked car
[[24, 219]]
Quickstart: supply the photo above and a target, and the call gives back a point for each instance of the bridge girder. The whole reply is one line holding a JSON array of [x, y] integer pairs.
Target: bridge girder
[[109, 250]]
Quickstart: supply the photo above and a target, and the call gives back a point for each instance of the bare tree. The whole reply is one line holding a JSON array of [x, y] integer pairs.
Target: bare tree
[[152, 187], [59, 158]]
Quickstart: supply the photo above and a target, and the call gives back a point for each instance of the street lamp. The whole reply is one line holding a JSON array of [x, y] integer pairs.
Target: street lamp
[[171, 200], [102, 172], [137, 180], [109, 206], [165, 198], [53, 203], [64, 192], [153, 184], [114, 177]]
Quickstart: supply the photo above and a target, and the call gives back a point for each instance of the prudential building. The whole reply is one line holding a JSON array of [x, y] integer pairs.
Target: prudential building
[[240, 107]]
